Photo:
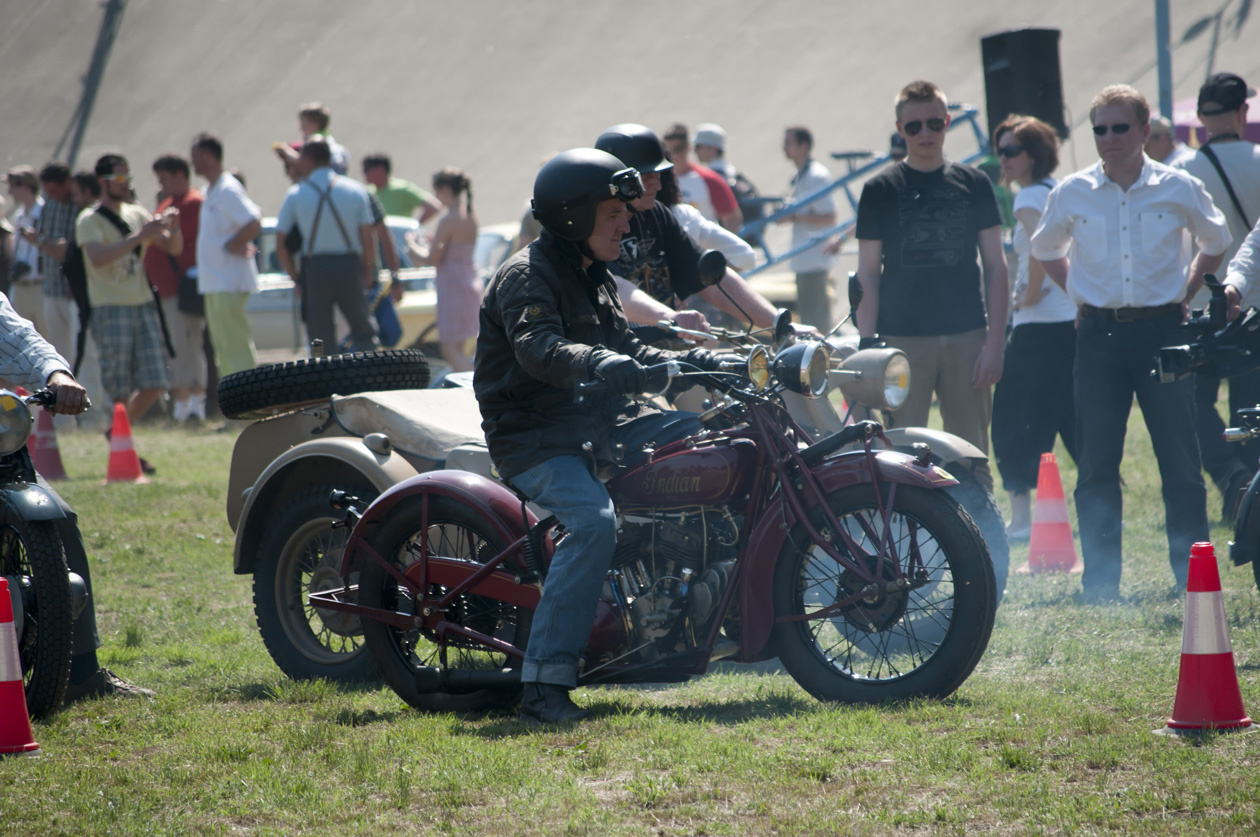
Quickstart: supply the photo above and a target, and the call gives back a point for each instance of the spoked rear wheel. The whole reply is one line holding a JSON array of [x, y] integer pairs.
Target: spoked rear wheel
[[34, 562], [922, 641], [455, 532]]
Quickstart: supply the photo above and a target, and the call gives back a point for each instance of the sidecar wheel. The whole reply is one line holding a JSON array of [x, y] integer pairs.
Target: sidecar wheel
[[33, 560], [893, 646], [454, 531], [301, 554], [983, 508], [276, 388]]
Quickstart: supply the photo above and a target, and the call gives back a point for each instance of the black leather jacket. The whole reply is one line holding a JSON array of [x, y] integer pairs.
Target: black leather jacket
[[545, 325]]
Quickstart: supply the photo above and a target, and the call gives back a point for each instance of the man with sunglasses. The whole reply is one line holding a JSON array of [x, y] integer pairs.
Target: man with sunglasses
[[1111, 236], [920, 225]]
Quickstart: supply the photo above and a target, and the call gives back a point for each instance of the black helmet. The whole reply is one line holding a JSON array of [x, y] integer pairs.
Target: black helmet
[[572, 183], [634, 145]]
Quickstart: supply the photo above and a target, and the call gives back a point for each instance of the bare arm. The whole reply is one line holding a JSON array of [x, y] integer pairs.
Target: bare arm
[[997, 290], [732, 220], [1056, 269], [286, 259], [388, 251], [1202, 264], [437, 248], [1029, 218], [106, 254], [238, 244], [870, 270], [754, 304], [367, 239], [641, 308]]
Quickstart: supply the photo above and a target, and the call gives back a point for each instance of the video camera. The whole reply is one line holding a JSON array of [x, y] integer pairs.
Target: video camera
[[1217, 348]]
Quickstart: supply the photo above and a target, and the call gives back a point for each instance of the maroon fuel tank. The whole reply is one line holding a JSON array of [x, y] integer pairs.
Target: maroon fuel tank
[[700, 476]]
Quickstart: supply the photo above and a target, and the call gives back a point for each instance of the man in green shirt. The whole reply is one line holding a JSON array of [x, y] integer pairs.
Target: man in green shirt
[[398, 196]]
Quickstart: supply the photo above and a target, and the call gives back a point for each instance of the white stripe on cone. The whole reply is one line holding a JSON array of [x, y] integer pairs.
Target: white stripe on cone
[[1051, 511], [120, 444], [10, 664], [1204, 631]]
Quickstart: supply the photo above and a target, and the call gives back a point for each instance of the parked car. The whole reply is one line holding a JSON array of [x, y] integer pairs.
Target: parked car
[[273, 312]]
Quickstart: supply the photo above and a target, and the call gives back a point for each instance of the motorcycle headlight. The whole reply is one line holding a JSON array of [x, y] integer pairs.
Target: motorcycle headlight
[[15, 423], [875, 378], [802, 368], [759, 367]]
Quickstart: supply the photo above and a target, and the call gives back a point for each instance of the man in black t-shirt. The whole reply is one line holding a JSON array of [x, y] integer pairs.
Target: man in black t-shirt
[[920, 224]]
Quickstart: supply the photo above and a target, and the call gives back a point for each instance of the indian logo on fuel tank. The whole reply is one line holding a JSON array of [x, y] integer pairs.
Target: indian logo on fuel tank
[[676, 482]]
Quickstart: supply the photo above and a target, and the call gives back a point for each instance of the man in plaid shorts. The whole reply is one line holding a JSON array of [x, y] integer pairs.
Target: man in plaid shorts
[[114, 237]]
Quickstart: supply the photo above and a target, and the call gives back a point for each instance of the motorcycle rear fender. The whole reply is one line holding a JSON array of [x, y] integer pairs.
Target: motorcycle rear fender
[[946, 447], [28, 501], [490, 500], [765, 542], [331, 460], [1246, 542]]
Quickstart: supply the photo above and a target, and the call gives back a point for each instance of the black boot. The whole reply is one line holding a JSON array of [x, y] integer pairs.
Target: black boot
[[546, 703]]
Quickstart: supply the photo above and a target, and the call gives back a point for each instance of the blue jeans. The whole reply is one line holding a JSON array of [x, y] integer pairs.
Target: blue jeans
[[1113, 364], [567, 487]]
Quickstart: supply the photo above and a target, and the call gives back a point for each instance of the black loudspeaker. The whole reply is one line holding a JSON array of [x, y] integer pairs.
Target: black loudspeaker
[[1021, 75]]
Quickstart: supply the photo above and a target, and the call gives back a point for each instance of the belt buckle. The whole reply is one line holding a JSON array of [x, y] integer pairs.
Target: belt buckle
[[1115, 312]]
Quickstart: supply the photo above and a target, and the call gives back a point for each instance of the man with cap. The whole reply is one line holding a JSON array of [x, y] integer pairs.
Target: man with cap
[[701, 186], [709, 144], [25, 280], [1229, 167], [551, 320]]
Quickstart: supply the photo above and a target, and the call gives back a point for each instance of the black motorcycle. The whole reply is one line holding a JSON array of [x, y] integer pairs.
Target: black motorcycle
[[46, 596], [1222, 349]]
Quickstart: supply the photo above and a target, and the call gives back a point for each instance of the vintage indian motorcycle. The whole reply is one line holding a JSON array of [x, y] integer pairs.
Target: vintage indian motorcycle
[[744, 542]]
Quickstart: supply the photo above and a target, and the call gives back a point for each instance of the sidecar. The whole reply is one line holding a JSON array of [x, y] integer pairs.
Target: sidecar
[[283, 469]]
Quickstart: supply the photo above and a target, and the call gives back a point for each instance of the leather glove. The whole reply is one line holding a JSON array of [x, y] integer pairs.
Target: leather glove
[[622, 374], [732, 362]]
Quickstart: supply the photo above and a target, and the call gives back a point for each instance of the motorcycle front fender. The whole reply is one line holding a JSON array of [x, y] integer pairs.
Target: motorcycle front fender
[[343, 459], [946, 447], [769, 535], [490, 500], [1246, 543], [28, 501]]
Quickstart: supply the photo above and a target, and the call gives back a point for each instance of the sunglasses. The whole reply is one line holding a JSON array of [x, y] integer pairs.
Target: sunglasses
[[934, 125], [1010, 151], [119, 178], [1117, 129]]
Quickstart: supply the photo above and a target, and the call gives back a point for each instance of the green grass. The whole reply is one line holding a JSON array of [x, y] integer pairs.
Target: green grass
[[1052, 734]]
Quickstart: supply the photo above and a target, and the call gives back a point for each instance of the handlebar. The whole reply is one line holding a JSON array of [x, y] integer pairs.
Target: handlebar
[[668, 369]]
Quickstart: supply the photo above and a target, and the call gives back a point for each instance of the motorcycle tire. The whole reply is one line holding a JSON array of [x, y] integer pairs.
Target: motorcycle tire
[[457, 532], [283, 387], [922, 642], [300, 554], [983, 508], [35, 556]]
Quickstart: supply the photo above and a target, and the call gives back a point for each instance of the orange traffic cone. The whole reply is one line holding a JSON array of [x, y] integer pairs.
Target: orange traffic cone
[[124, 463], [16, 736], [44, 451], [1207, 688], [1050, 545]]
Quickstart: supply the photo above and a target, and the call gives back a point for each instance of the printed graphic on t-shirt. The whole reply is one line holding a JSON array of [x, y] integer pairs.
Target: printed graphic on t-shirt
[[934, 224], [643, 263]]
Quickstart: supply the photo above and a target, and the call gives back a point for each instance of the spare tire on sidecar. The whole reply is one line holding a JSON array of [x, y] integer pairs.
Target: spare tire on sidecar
[[281, 387]]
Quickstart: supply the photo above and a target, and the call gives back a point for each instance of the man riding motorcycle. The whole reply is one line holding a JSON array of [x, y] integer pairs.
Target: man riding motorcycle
[[551, 320]]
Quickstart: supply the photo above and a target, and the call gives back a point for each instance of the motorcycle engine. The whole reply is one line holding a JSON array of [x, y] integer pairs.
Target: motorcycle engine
[[670, 571]]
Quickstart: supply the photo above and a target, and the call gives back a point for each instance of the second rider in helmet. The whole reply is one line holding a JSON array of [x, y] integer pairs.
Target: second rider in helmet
[[550, 320]]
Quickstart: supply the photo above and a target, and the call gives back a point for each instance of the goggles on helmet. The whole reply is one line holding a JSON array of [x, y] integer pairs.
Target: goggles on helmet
[[626, 184]]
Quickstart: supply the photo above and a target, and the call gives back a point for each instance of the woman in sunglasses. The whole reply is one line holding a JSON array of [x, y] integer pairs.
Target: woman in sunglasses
[[1032, 404]]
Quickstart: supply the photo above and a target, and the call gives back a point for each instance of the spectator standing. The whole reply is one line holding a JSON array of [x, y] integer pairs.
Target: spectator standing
[[1227, 158], [700, 186], [397, 196], [1033, 402], [458, 282], [710, 147], [50, 239], [920, 225], [1111, 236], [1163, 146], [226, 272], [166, 273], [25, 280], [813, 266], [705, 233], [313, 122], [334, 216], [124, 318]]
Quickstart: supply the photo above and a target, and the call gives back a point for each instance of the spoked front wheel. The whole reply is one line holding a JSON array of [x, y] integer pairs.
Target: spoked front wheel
[[415, 663], [922, 640]]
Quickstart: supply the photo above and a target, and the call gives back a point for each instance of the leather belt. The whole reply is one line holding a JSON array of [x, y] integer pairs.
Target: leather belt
[[1129, 315]]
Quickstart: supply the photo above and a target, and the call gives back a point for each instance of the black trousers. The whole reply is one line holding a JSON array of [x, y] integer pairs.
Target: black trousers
[[1113, 364], [1034, 402], [1225, 462]]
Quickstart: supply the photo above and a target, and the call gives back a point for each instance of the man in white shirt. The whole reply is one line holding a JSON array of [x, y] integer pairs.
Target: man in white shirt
[[1229, 167], [812, 266], [25, 279], [226, 273], [1111, 236]]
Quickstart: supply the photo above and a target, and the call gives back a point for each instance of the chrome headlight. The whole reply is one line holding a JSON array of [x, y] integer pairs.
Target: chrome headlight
[[759, 367], [15, 422], [876, 378], [802, 368]]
